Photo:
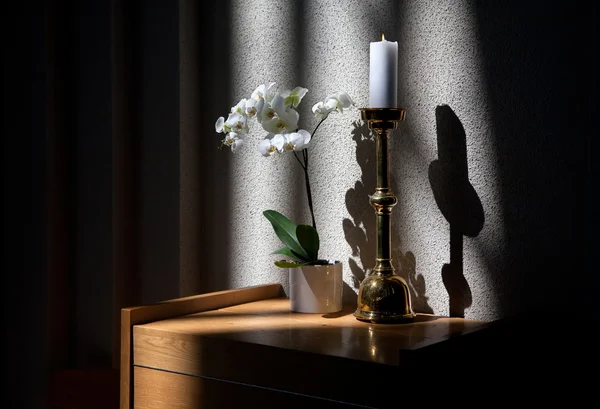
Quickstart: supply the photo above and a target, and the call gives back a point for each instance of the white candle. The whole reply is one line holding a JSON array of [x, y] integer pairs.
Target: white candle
[[383, 75]]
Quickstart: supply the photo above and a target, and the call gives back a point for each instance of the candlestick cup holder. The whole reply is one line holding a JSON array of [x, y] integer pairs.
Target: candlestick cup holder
[[383, 296]]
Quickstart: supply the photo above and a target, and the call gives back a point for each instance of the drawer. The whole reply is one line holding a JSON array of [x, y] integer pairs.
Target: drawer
[[156, 389]]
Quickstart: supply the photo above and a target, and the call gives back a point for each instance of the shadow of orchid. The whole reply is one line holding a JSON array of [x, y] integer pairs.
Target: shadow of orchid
[[359, 231], [407, 269]]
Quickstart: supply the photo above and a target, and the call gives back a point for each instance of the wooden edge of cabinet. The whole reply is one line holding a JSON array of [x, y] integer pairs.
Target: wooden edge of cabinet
[[172, 308]]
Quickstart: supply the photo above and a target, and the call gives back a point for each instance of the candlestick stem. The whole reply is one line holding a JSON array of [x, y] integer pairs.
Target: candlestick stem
[[383, 295], [383, 201]]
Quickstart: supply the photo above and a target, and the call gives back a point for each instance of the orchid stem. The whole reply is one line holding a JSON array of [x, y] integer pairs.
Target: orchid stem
[[299, 161], [317, 127], [308, 191], [306, 178]]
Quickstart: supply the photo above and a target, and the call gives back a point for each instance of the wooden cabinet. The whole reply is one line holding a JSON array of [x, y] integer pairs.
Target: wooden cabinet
[[245, 348]]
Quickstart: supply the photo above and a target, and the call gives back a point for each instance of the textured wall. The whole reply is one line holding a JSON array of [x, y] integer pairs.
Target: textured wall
[[472, 231], [492, 166]]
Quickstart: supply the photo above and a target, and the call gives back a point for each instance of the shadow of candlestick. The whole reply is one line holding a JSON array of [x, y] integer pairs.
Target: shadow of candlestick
[[457, 200]]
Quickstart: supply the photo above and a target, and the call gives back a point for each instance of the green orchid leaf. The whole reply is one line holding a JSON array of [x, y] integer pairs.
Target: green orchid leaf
[[286, 231], [285, 251], [298, 256], [289, 264], [309, 240]]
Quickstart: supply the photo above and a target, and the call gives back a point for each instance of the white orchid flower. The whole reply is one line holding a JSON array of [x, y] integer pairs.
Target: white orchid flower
[[291, 118], [345, 100], [282, 122], [294, 97], [297, 141], [254, 107], [277, 118], [262, 91], [332, 103], [339, 101], [233, 140], [240, 108], [321, 111], [220, 125], [277, 114], [271, 144], [267, 113], [278, 104], [237, 122]]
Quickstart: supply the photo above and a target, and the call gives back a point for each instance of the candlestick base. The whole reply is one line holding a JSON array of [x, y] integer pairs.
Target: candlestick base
[[384, 298], [383, 295]]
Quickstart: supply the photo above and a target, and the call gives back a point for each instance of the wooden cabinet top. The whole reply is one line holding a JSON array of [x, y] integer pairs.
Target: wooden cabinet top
[[271, 323], [250, 337]]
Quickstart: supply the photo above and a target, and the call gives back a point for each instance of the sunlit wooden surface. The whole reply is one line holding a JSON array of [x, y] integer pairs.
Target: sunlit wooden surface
[[264, 344], [132, 316], [270, 322]]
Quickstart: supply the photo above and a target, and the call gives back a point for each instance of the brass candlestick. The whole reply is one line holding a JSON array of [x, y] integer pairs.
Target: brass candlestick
[[383, 295]]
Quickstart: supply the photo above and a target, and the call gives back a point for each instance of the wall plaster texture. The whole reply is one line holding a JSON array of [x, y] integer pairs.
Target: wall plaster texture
[[447, 157]]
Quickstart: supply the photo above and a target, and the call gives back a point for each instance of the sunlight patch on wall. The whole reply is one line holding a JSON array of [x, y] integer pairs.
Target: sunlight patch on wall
[[441, 64], [261, 51], [336, 58], [324, 46]]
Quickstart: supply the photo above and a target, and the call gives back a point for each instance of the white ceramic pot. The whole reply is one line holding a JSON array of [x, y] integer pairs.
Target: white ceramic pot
[[316, 289]]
